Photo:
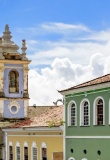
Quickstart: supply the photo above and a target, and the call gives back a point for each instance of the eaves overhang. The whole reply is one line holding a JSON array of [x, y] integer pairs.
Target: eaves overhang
[[85, 88], [31, 129]]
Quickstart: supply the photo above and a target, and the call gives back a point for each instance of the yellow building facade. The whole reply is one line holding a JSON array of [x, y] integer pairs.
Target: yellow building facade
[[34, 144], [38, 138]]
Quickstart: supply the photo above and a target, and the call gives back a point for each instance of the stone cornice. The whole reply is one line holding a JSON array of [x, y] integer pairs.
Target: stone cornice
[[15, 61]]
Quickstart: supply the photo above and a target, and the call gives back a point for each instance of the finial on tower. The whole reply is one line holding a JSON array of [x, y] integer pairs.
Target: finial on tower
[[23, 48], [7, 34]]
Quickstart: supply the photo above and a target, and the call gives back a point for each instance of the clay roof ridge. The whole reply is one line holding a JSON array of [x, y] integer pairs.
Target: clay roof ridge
[[89, 83], [55, 114]]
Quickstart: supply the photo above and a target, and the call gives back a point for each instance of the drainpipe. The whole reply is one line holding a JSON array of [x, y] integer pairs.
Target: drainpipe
[[6, 148], [5, 155]]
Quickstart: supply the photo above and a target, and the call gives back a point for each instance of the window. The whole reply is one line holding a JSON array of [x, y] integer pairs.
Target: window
[[99, 111], [14, 109], [13, 81], [10, 151], [99, 152], [25, 151], [34, 151], [71, 158], [14, 106], [17, 151], [85, 113], [72, 114], [44, 151]]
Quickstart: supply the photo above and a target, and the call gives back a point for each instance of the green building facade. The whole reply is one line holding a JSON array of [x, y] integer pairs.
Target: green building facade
[[87, 120]]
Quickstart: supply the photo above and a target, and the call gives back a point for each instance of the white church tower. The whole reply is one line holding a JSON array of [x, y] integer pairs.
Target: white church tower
[[14, 97]]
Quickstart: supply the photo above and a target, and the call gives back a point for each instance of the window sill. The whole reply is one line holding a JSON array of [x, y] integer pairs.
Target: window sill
[[99, 125], [73, 126], [84, 125]]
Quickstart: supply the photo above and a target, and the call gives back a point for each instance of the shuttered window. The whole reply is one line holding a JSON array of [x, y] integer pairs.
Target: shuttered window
[[18, 152], [25, 153], [73, 114], [44, 153], [10, 152], [34, 153]]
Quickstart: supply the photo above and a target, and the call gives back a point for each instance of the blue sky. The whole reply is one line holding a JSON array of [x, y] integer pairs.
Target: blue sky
[[93, 13], [68, 42]]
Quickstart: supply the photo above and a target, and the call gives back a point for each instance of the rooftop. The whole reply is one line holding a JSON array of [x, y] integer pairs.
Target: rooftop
[[43, 120], [99, 80]]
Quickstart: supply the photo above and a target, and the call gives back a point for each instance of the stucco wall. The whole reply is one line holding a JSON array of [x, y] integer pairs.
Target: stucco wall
[[53, 143], [92, 146], [8, 114], [92, 129]]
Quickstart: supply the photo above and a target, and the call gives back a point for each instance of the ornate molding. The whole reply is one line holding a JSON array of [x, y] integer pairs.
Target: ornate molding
[[14, 103]]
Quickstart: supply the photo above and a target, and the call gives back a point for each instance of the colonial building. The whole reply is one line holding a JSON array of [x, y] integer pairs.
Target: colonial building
[[87, 117], [25, 138], [38, 138], [14, 98]]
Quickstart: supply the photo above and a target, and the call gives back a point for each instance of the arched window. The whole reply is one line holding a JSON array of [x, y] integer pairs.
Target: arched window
[[99, 111], [10, 151], [26, 151], [71, 158], [44, 151], [34, 151], [13, 81], [17, 151], [84, 113], [72, 114]]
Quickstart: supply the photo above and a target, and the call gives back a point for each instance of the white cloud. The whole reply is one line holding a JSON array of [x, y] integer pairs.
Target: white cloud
[[97, 64], [79, 52], [62, 74], [53, 28], [63, 28], [79, 55]]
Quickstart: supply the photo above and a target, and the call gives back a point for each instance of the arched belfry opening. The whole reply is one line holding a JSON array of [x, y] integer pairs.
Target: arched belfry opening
[[13, 81]]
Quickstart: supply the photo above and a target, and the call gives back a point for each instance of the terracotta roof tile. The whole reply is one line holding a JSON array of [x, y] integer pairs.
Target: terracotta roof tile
[[99, 80], [51, 115]]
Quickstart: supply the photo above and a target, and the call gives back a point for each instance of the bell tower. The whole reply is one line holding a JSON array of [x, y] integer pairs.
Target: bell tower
[[14, 97]]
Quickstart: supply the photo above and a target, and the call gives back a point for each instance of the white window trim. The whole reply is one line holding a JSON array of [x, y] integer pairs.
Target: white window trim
[[94, 110], [25, 145], [69, 113], [34, 145], [17, 145], [82, 102], [109, 112], [84, 159], [71, 158], [43, 145], [10, 144]]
